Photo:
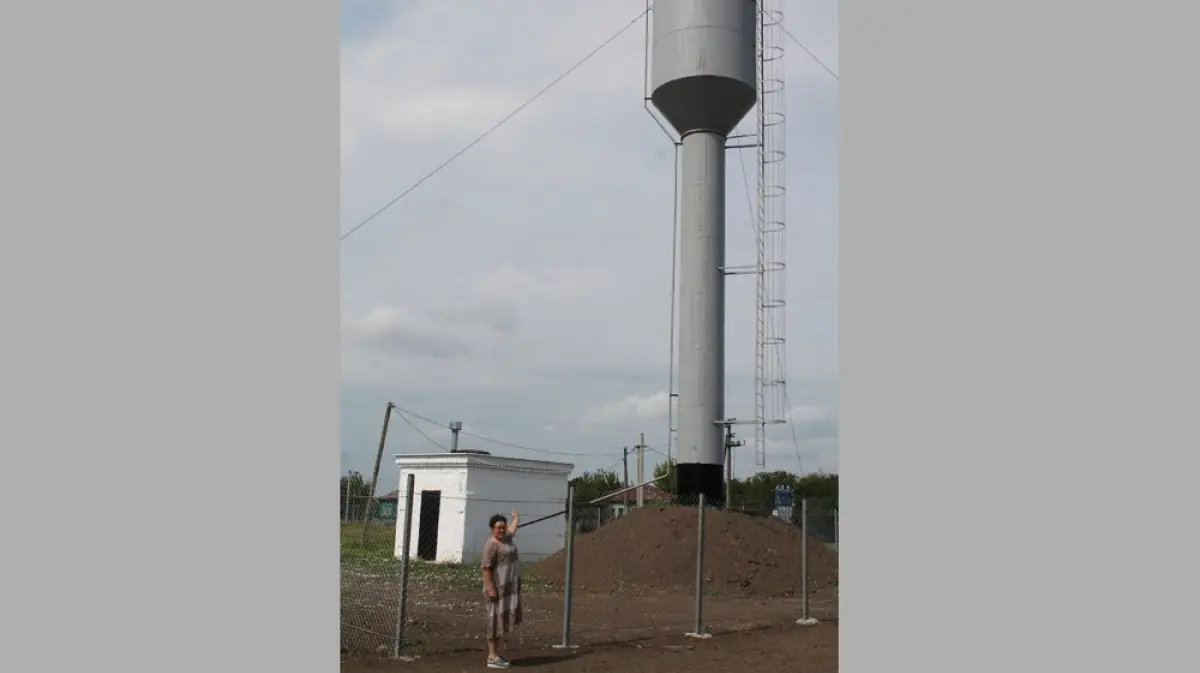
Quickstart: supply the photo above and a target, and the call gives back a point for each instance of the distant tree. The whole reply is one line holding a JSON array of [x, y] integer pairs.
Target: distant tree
[[353, 496], [821, 490], [757, 492], [818, 485], [666, 471], [592, 485]]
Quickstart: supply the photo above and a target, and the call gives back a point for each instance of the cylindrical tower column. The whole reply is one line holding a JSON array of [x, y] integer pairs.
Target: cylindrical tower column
[[703, 80], [702, 315]]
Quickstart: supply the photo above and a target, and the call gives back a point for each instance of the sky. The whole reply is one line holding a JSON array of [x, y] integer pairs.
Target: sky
[[525, 289]]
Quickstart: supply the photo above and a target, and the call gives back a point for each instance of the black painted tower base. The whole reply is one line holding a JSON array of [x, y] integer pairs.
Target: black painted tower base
[[692, 479]]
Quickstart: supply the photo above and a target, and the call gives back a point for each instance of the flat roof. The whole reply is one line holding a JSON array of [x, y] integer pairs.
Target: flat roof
[[462, 459]]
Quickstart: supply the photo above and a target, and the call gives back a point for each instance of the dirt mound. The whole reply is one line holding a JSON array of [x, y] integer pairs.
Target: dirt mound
[[655, 549]]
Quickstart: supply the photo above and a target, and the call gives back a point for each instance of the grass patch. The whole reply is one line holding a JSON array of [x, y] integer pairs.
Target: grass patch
[[378, 540], [429, 576], [374, 554], [445, 576]]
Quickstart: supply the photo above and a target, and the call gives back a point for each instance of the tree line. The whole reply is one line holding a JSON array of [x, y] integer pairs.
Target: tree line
[[353, 496], [753, 494]]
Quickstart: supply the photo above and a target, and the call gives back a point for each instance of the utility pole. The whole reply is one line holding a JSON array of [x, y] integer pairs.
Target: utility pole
[[730, 445], [728, 461], [455, 428], [641, 470], [625, 495], [387, 416]]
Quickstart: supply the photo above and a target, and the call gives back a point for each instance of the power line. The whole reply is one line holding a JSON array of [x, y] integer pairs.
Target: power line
[[610, 468], [810, 54], [470, 498], [496, 126], [419, 416], [412, 425], [528, 448], [792, 425], [658, 451], [496, 441]]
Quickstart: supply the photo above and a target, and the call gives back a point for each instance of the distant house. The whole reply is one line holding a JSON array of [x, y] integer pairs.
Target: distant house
[[616, 501], [385, 507]]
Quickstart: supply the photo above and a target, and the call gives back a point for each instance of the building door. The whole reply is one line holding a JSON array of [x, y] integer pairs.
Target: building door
[[427, 528]]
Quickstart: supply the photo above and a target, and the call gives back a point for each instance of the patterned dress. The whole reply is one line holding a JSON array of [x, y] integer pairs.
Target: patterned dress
[[504, 615]]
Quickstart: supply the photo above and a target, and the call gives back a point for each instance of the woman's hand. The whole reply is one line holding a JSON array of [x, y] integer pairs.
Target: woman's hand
[[492, 595]]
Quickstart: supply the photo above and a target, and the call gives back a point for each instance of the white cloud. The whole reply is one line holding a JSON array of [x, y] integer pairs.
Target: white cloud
[[813, 454], [388, 330], [805, 415], [529, 280], [631, 408], [459, 346], [440, 333]]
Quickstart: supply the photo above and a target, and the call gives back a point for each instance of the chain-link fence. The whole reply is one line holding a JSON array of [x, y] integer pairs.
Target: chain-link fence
[[441, 608], [370, 577], [820, 523], [619, 573]]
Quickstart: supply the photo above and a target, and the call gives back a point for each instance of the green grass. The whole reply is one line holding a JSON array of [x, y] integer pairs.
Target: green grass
[[373, 549], [377, 556]]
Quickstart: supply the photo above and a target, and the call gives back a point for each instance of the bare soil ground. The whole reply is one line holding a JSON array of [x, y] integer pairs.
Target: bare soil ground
[[633, 599], [654, 548], [812, 649]]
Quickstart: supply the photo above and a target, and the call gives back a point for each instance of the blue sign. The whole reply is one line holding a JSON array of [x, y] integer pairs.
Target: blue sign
[[783, 497]]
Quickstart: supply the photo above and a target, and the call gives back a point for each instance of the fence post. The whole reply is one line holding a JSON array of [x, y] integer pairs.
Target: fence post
[[569, 575], [570, 525], [405, 547], [805, 617], [835, 528], [700, 631]]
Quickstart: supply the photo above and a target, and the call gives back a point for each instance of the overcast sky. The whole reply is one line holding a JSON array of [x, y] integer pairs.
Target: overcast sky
[[525, 289]]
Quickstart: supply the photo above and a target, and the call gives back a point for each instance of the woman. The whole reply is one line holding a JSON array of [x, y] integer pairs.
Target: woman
[[502, 585]]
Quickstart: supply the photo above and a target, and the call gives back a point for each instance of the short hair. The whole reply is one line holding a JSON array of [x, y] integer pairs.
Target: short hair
[[496, 518]]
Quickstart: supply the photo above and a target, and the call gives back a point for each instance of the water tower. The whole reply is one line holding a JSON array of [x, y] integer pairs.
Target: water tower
[[703, 82]]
